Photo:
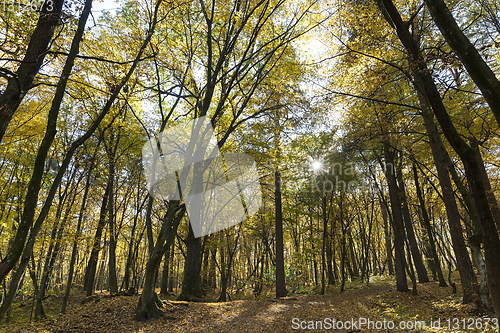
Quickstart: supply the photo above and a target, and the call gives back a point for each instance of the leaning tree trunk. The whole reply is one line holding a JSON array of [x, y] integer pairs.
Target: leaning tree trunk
[[477, 68], [149, 303], [495, 209], [476, 238], [440, 154], [34, 185], [55, 243], [20, 82], [31, 198], [47, 271]]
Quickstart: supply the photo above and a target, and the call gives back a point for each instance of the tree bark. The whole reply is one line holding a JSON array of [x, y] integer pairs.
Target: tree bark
[[343, 249], [165, 272], [211, 275], [330, 254], [495, 209], [280, 260], [130, 252], [111, 152], [475, 237], [191, 285], [397, 221], [324, 244]]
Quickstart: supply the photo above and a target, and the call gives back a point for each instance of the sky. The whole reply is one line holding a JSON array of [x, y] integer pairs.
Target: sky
[[100, 5]]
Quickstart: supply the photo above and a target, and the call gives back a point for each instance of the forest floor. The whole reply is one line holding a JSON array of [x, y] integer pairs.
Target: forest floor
[[377, 304]]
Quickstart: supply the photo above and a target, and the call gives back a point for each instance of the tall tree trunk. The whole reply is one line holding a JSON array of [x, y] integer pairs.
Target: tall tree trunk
[[280, 260], [130, 253], [324, 244], [213, 266], [329, 257], [75, 242], [410, 270], [352, 253], [223, 276], [90, 272], [165, 272], [410, 234], [387, 235], [171, 267], [397, 220], [34, 185], [313, 248], [476, 238], [31, 199], [149, 303], [495, 209], [475, 235], [112, 280], [427, 226], [47, 269], [343, 250], [191, 285]]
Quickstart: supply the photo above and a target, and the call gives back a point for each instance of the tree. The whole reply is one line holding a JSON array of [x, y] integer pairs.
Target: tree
[[22, 80], [477, 68]]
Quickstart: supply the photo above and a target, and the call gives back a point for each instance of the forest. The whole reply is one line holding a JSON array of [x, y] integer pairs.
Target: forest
[[249, 165]]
